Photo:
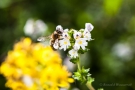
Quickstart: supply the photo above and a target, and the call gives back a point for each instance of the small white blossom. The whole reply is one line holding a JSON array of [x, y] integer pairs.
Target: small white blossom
[[66, 30], [89, 27], [73, 53], [87, 35], [56, 44], [77, 35], [81, 42], [65, 34], [64, 44]]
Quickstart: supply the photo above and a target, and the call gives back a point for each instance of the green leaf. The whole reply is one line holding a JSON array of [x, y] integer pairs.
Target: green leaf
[[77, 76], [74, 60], [81, 51], [90, 80], [85, 70]]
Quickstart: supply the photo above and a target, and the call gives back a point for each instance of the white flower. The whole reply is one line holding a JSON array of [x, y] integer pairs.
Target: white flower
[[56, 44], [87, 35], [73, 53], [81, 42], [34, 28], [29, 27], [66, 30], [65, 34], [89, 27], [64, 44], [77, 35], [40, 26]]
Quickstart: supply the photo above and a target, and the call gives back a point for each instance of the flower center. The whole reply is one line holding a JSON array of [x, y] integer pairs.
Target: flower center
[[65, 42], [77, 36], [80, 42], [65, 35], [73, 52]]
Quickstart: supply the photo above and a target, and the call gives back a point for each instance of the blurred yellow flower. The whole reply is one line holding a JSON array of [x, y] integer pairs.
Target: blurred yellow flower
[[32, 66]]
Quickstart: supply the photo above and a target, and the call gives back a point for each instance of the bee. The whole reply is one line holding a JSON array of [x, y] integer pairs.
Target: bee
[[54, 38]]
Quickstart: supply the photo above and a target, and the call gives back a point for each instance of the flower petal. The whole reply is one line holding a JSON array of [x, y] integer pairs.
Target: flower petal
[[89, 26]]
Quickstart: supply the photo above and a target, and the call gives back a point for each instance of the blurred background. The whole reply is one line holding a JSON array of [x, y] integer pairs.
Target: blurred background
[[111, 58]]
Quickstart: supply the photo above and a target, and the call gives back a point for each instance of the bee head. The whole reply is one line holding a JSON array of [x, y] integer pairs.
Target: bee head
[[59, 29]]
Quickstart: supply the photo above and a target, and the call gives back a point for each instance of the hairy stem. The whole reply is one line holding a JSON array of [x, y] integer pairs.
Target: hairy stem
[[87, 84]]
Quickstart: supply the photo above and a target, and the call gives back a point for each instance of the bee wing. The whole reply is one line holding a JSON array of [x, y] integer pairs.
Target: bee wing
[[42, 39]]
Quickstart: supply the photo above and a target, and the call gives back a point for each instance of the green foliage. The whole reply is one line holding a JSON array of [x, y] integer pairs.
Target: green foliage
[[112, 6], [83, 76], [5, 3]]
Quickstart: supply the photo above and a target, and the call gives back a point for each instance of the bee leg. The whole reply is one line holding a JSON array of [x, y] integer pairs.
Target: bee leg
[[52, 43], [60, 38]]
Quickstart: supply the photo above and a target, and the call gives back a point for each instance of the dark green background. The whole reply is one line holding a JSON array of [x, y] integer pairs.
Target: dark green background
[[114, 23]]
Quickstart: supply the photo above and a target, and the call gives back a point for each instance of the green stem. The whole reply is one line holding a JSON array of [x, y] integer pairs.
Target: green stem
[[89, 86], [78, 65]]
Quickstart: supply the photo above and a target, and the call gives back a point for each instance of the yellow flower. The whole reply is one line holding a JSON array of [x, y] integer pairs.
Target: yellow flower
[[32, 66]]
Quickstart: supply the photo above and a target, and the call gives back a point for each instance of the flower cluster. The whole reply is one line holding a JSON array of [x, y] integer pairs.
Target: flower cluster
[[32, 66], [74, 41]]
